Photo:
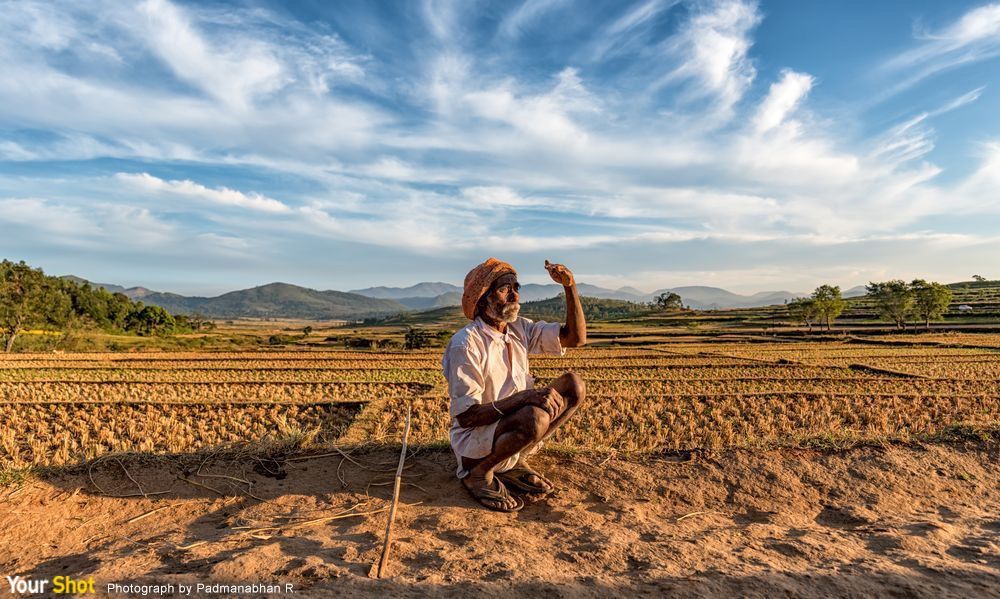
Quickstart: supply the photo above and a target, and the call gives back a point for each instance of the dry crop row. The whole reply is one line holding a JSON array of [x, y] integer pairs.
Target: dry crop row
[[861, 387], [711, 373], [427, 376], [989, 340], [51, 434], [657, 422], [988, 372], [55, 434], [372, 364], [241, 375], [174, 393], [421, 375], [303, 355], [930, 355]]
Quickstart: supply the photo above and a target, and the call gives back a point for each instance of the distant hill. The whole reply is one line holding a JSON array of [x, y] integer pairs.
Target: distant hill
[[418, 290], [594, 309], [131, 292], [453, 298], [714, 298], [283, 300], [276, 300], [79, 281], [551, 309], [279, 300]]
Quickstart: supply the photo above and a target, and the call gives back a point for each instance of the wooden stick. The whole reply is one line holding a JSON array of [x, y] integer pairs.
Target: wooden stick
[[149, 513], [395, 498]]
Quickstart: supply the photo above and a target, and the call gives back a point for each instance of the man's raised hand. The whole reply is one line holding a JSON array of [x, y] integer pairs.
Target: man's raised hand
[[559, 273]]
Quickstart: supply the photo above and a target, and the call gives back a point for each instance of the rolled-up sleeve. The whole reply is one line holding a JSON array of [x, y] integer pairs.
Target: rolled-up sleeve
[[465, 377], [543, 337]]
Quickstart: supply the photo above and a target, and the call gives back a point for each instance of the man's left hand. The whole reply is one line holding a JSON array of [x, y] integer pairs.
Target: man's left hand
[[559, 273]]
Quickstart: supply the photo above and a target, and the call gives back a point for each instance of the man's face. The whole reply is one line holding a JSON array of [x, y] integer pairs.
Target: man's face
[[503, 299]]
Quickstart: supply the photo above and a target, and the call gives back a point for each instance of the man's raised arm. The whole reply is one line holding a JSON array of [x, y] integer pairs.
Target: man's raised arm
[[574, 332]]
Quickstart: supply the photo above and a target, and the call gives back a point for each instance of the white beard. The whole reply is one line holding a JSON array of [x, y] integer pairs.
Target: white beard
[[507, 314]]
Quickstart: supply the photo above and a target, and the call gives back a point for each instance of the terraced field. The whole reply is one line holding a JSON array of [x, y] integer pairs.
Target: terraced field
[[65, 408]]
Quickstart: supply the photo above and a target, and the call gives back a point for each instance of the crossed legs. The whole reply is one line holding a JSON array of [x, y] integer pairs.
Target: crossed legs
[[522, 429]]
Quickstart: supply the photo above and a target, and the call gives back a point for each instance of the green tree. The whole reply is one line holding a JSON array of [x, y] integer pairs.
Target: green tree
[[152, 320], [669, 301], [978, 278], [28, 298], [893, 300], [829, 303], [803, 309], [119, 307], [930, 300]]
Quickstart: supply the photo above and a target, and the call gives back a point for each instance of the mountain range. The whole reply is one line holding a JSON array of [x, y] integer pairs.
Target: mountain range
[[698, 297], [282, 300]]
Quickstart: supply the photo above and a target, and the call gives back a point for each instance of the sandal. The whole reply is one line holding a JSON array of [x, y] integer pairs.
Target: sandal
[[492, 498], [517, 477]]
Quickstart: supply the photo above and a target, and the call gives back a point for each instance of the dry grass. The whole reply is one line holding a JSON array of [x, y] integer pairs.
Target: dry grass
[[59, 434], [63, 409]]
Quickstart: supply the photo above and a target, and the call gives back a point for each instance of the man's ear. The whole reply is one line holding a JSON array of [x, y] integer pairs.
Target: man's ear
[[481, 305]]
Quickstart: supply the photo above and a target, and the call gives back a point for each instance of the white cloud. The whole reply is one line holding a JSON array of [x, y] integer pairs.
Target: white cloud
[[495, 197], [626, 32], [222, 195], [914, 138], [712, 51], [978, 193], [234, 71], [973, 37], [781, 99], [98, 225], [34, 214], [640, 14], [960, 101], [444, 145], [547, 117], [524, 15], [441, 17]]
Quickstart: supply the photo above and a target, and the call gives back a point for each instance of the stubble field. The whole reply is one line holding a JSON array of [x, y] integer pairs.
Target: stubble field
[[63, 409], [696, 467]]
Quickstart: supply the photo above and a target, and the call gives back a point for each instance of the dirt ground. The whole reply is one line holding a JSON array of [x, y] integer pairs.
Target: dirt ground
[[915, 521]]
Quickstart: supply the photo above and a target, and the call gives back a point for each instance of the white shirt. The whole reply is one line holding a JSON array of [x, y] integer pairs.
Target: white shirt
[[483, 365]]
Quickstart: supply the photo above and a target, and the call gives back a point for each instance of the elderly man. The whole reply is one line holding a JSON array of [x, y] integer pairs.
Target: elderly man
[[498, 417]]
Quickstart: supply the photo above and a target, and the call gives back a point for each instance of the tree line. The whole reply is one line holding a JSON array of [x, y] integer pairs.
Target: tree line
[[30, 299], [895, 301]]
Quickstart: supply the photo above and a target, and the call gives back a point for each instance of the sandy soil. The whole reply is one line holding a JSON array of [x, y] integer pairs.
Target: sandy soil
[[896, 521]]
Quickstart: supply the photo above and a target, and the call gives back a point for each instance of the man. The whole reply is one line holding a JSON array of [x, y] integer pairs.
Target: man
[[497, 416]]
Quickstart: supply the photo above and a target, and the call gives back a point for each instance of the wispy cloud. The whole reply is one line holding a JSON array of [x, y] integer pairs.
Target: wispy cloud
[[712, 50], [186, 188], [525, 14], [973, 37], [444, 132], [781, 99]]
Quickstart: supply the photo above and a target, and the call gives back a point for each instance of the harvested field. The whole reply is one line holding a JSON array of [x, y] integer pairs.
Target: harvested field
[[812, 460], [679, 396]]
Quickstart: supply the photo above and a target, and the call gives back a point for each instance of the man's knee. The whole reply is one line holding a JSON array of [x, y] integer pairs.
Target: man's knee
[[571, 386], [532, 423]]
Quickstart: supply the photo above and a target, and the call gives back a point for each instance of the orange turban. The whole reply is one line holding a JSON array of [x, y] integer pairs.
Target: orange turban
[[478, 282]]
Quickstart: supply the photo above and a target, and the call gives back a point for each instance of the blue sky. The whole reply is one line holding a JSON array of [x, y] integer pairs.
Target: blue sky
[[205, 147]]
